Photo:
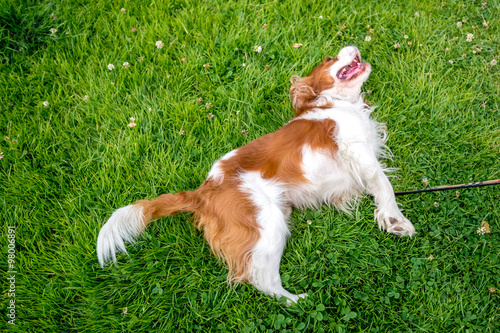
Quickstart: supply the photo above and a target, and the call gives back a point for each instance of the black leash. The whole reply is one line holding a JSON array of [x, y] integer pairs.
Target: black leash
[[451, 187]]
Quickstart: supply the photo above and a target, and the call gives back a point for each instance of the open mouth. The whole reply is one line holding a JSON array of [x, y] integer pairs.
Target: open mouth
[[352, 70]]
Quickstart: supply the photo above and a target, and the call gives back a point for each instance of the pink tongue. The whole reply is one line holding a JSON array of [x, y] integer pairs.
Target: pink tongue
[[351, 73]]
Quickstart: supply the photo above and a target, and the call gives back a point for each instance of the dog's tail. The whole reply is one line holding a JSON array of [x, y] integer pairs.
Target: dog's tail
[[128, 222]]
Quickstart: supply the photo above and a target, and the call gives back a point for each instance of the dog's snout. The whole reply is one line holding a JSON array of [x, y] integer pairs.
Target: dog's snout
[[348, 51]]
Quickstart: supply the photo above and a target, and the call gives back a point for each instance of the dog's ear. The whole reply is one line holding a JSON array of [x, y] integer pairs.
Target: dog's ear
[[294, 79], [302, 94]]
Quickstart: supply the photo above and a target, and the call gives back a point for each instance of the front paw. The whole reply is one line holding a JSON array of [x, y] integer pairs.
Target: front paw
[[400, 225]]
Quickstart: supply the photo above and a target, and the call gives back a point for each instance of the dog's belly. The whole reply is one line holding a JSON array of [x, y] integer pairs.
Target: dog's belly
[[329, 182]]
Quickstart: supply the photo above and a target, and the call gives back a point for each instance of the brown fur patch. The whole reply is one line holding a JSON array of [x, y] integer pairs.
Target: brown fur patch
[[278, 155], [168, 204], [228, 220], [304, 91]]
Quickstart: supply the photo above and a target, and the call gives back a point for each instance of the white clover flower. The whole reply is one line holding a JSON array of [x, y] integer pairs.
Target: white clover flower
[[46, 104], [469, 37], [111, 67], [321, 17], [368, 38], [53, 31], [417, 14], [132, 122], [123, 10], [493, 62], [258, 49], [481, 230], [126, 64], [159, 44], [459, 24]]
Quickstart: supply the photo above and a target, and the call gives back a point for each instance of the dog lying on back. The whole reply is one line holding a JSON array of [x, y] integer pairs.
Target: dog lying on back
[[328, 153]]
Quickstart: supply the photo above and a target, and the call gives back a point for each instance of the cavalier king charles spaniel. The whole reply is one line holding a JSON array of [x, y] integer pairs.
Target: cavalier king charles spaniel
[[327, 154]]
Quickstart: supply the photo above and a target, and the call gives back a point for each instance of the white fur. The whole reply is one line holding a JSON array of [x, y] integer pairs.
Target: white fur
[[356, 168], [328, 182], [273, 213], [124, 225], [216, 172], [338, 179]]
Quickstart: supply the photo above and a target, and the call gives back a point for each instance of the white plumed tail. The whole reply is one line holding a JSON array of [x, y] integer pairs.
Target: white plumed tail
[[124, 225]]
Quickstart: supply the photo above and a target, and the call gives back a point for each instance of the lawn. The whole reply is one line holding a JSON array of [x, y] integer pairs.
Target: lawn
[[76, 76]]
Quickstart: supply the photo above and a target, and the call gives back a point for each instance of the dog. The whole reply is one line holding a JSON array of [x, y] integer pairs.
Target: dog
[[327, 154]]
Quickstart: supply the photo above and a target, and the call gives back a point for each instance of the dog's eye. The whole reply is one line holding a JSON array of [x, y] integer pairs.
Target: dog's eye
[[329, 59]]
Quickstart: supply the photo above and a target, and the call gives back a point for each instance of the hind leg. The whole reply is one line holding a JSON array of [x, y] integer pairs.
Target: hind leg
[[271, 214], [266, 256], [264, 272]]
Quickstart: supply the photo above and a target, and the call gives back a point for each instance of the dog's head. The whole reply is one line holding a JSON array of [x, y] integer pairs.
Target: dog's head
[[333, 79]]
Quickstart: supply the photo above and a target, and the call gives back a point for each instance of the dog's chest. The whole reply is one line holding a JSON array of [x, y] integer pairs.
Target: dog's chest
[[354, 129], [334, 178]]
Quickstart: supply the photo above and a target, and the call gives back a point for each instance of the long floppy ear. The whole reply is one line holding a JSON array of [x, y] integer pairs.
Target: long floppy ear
[[302, 94]]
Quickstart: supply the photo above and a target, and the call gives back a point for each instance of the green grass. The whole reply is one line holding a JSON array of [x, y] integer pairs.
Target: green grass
[[66, 167]]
